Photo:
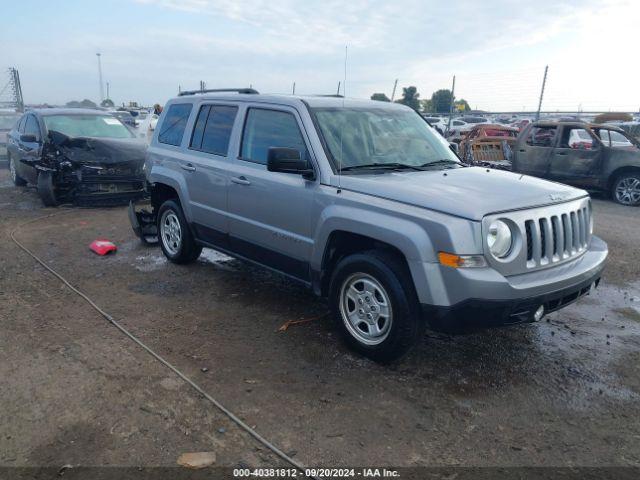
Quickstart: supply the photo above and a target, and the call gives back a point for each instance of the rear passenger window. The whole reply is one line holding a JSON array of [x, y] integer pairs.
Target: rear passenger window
[[174, 124], [270, 128], [213, 127]]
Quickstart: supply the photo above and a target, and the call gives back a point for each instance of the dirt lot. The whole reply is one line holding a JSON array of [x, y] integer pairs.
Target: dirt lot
[[564, 392]]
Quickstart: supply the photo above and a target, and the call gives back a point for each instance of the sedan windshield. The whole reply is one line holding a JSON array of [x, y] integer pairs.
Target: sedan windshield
[[83, 125], [370, 138]]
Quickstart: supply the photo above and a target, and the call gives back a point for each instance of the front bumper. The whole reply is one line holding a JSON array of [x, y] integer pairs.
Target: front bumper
[[483, 298]]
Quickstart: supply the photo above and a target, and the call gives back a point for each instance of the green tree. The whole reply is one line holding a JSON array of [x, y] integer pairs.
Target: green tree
[[462, 105], [381, 97], [426, 105], [107, 102], [441, 100], [410, 98]]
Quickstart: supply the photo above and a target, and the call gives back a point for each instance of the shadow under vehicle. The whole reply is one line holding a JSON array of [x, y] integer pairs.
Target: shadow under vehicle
[[590, 156], [86, 157]]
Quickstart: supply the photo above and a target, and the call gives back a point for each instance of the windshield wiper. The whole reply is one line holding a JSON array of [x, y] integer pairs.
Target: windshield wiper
[[443, 161], [382, 166]]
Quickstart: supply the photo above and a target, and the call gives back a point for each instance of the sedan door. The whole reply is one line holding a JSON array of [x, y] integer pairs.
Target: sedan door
[[270, 212], [29, 148]]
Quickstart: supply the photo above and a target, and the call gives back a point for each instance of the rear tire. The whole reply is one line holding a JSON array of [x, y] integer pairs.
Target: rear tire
[[374, 304], [174, 234], [18, 181], [46, 189], [625, 189]]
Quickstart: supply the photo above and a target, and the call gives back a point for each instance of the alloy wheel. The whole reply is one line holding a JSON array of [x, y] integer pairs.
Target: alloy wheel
[[628, 191], [171, 232], [365, 307]]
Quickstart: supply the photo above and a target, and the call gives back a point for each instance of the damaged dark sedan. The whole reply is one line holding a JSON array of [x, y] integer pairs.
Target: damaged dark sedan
[[84, 157]]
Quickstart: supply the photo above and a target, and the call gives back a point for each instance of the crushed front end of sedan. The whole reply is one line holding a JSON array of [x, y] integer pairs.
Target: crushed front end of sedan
[[90, 171]]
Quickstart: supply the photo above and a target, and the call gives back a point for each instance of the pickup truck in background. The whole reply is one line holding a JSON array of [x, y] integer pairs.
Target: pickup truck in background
[[590, 156]]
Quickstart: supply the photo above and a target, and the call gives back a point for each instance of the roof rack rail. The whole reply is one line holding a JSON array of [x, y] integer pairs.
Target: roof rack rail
[[331, 95], [218, 90]]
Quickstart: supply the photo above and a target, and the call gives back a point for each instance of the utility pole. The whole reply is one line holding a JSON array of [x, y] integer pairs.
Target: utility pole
[[338, 93], [544, 82], [99, 55], [453, 99], [203, 86], [293, 89], [108, 95], [395, 85]]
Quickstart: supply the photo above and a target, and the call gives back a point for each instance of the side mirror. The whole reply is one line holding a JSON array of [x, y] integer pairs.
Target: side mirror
[[287, 160], [28, 138]]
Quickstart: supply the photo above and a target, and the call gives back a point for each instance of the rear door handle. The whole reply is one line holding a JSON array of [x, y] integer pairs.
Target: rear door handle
[[188, 167], [240, 180]]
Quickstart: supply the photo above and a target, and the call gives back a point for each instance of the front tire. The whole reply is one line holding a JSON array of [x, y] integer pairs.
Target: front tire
[[626, 189], [175, 237], [374, 304], [46, 189], [17, 180]]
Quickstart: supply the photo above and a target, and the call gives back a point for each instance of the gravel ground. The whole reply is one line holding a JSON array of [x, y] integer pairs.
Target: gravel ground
[[563, 392]]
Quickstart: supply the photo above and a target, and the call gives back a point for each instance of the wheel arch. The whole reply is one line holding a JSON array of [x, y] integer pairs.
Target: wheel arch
[[619, 171], [354, 232]]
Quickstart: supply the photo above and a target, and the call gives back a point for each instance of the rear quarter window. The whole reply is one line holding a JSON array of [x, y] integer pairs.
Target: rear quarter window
[[174, 124]]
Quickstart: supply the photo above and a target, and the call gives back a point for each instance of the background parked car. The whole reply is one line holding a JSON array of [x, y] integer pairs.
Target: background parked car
[[591, 156], [76, 155]]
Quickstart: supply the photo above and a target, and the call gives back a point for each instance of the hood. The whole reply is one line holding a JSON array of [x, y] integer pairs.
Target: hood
[[470, 192], [104, 151]]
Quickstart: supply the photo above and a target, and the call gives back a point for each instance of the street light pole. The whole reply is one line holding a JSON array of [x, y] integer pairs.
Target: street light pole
[[100, 77]]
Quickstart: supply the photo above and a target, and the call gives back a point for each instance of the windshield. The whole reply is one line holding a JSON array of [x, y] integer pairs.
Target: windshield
[[367, 136], [7, 121], [87, 126]]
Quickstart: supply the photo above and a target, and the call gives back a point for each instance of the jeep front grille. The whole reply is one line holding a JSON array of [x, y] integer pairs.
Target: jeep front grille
[[557, 237], [543, 236]]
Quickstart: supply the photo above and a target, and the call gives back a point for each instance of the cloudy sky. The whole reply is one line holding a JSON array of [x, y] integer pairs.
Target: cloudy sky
[[497, 50]]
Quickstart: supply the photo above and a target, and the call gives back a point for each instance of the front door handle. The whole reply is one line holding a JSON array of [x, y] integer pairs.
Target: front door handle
[[561, 153], [188, 167], [240, 180]]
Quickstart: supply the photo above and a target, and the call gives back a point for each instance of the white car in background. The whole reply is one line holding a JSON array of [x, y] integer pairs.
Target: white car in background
[[439, 123]]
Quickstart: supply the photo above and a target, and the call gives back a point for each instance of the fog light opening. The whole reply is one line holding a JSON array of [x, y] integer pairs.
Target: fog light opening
[[539, 313]]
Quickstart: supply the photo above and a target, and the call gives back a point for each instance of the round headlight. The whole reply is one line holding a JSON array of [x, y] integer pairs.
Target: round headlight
[[499, 239]]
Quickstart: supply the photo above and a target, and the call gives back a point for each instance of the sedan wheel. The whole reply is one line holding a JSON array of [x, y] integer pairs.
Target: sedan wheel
[[627, 190]]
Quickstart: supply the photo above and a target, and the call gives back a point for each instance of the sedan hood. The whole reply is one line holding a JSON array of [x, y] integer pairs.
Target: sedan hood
[[103, 151], [470, 192]]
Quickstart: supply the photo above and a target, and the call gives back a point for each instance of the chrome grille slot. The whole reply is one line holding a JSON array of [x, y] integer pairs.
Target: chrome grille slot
[[544, 236]]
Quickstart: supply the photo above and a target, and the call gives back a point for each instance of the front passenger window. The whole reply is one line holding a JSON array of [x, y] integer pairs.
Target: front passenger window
[[270, 128]]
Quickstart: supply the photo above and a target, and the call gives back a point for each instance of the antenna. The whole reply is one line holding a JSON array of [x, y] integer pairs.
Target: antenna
[[344, 94]]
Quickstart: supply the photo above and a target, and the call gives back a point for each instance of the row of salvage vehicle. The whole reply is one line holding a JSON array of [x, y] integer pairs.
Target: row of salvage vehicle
[[89, 157], [591, 156]]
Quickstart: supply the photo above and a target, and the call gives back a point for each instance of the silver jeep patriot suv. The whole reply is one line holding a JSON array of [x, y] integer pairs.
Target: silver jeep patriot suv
[[364, 203]]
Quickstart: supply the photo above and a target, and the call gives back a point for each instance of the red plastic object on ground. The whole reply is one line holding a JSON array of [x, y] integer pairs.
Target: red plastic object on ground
[[103, 247]]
